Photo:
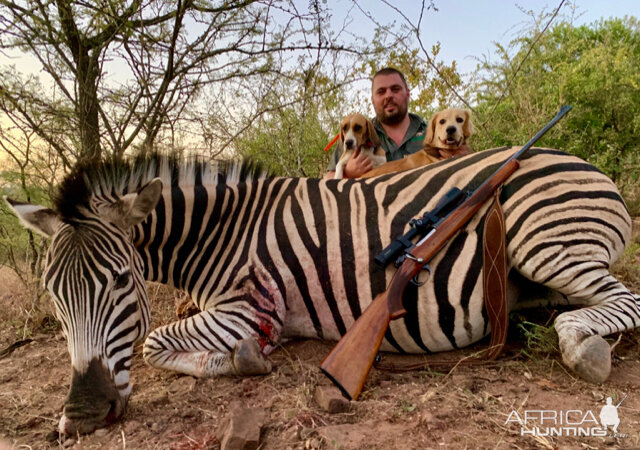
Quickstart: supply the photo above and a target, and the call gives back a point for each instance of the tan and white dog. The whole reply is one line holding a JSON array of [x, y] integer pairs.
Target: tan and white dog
[[357, 134], [447, 134]]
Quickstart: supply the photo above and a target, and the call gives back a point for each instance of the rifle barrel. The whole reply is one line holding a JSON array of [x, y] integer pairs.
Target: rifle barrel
[[565, 109]]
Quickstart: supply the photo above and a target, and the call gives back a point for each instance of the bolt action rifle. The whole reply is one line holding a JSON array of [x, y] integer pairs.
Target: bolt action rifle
[[350, 361]]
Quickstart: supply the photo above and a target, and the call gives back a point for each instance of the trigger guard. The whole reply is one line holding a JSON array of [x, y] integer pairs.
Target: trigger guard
[[415, 280]]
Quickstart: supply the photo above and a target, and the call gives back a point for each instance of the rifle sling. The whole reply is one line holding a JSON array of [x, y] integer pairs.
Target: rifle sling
[[494, 276], [494, 284]]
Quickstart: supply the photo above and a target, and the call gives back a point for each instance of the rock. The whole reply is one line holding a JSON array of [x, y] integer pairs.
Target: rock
[[131, 426], [101, 432], [182, 385], [331, 399], [240, 429]]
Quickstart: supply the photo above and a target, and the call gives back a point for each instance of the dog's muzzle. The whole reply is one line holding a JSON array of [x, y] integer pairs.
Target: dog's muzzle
[[350, 144]]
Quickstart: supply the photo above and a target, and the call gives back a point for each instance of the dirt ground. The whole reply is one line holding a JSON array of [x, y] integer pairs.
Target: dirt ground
[[467, 407]]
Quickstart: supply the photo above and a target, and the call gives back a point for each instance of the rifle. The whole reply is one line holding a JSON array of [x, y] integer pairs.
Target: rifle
[[350, 361]]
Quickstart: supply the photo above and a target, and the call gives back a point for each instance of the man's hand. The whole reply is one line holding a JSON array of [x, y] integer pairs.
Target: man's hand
[[359, 164]]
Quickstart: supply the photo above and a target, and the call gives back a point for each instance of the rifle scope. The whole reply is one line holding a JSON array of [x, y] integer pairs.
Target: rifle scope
[[420, 227]]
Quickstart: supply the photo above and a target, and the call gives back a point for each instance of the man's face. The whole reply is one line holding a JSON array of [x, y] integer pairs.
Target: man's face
[[390, 98]]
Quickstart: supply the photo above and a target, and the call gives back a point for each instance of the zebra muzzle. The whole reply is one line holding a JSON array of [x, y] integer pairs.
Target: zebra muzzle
[[93, 401]]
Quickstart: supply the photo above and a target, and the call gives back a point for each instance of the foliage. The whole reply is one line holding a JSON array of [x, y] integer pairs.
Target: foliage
[[289, 140], [540, 340], [120, 75], [595, 69]]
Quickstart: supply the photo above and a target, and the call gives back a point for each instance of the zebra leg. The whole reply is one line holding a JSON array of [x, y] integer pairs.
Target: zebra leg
[[214, 343], [614, 309]]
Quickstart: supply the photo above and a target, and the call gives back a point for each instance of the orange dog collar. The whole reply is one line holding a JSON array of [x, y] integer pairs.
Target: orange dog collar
[[333, 141]]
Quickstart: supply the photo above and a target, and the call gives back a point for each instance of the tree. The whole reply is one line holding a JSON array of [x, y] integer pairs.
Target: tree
[[592, 67], [289, 138], [123, 72]]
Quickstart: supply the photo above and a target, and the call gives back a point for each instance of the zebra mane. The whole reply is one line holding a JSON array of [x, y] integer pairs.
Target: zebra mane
[[113, 177]]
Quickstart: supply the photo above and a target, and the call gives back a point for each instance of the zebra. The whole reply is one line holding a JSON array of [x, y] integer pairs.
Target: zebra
[[268, 258]]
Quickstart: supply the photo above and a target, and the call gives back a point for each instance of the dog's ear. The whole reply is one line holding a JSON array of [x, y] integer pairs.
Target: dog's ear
[[431, 130], [372, 135], [467, 126], [341, 132]]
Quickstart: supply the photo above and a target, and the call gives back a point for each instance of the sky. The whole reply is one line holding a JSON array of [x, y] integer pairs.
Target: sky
[[465, 29], [468, 28]]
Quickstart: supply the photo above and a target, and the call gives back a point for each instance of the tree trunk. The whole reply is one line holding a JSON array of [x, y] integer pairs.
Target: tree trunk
[[85, 58], [89, 126]]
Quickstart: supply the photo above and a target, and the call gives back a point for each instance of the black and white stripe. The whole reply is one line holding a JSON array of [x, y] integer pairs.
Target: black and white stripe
[[267, 258]]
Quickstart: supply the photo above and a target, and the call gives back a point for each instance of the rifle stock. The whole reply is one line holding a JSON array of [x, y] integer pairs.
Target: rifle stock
[[350, 361]]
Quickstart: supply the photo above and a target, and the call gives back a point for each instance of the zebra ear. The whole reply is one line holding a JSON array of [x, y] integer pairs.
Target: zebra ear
[[134, 208], [38, 218]]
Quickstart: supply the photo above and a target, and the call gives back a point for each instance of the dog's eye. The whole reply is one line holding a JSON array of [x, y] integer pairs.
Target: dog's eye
[[442, 121], [357, 128], [345, 128], [459, 119]]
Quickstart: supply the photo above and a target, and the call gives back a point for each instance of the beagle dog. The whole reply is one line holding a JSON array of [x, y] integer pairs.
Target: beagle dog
[[358, 134], [446, 137]]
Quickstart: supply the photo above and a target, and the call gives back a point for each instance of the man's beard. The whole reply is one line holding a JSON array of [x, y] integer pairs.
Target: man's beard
[[392, 118]]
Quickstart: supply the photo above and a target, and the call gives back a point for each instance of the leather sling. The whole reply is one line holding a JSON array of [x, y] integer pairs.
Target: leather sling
[[494, 276]]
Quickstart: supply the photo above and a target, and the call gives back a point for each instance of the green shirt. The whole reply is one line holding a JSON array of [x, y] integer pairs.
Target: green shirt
[[412, 142]]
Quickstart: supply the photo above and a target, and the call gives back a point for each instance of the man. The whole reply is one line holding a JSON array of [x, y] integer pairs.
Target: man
[[400, 132]]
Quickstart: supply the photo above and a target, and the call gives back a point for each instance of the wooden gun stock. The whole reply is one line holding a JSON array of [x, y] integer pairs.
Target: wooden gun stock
[[350, 361]]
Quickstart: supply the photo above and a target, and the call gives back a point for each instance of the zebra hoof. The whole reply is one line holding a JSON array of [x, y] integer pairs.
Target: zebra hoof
[[248, 358], [591, 359]]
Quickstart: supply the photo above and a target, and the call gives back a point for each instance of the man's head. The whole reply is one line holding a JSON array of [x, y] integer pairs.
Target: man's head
[[390, 96]]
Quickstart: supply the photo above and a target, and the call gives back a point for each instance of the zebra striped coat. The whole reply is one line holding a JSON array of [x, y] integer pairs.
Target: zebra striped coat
[[266, 259]]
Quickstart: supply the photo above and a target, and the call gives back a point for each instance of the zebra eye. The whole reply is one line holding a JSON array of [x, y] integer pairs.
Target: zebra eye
[[120, 280]]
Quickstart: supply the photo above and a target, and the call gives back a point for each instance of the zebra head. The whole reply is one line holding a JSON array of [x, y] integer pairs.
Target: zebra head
[[96, 280]]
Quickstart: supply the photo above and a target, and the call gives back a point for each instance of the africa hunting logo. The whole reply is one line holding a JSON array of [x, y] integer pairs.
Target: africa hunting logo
[[573, 422]]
